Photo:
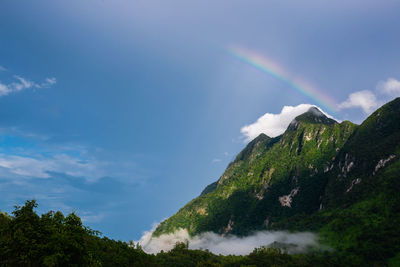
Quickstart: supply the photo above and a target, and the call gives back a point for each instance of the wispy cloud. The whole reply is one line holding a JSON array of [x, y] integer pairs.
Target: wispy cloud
[[23, 84], [369, 100], [42, 167], [216, 160], [28, 155], [24, 154], [2, 68]]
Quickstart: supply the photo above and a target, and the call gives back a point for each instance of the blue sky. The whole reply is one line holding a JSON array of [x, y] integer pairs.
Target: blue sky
[[123, 111]]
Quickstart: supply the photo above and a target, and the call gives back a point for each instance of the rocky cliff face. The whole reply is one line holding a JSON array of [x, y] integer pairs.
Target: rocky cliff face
[[273, 183]]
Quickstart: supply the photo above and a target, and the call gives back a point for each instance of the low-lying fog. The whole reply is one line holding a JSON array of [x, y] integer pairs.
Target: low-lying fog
[[230, 244]]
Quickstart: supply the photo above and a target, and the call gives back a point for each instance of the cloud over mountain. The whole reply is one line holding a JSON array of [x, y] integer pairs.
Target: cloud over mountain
[[228, 245], [275, 124]]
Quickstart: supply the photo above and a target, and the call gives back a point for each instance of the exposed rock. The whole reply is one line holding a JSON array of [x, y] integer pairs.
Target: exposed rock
[[201, 211], [308, 136], [326, 168], [259, 196], [223, 178], [354, 182], [228, 228], [347, 166], [319, 143], [382, 163], [350, 166], [286, 200]]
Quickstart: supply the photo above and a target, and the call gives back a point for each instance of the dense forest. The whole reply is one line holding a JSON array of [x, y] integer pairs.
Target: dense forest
[[52, 239]]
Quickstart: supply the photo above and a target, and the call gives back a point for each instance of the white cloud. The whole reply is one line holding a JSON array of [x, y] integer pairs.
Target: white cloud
[[216, 160], [2, 68], [229, 244], [275, 124], [41, 167], [366, 100], [22, 84], [389, 87]]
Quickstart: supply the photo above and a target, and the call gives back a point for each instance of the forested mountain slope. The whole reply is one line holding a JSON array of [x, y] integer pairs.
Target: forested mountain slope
[[271, 179], [338, 179]]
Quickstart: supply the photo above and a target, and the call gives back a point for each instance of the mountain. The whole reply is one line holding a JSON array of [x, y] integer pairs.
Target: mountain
[[338, 179], [260, 185]]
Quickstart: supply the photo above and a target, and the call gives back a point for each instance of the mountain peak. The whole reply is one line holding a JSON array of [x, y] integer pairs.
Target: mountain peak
[[315, 116], [316, 111]]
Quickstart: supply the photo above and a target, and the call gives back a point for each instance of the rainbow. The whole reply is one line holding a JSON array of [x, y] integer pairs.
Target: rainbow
[[272, 69]]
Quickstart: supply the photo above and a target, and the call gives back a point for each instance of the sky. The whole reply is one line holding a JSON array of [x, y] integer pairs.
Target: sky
[[123, 111]]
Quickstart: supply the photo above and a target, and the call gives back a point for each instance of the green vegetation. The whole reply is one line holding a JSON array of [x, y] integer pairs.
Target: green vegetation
[[337, 179], [51, 239], [27, 239]]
